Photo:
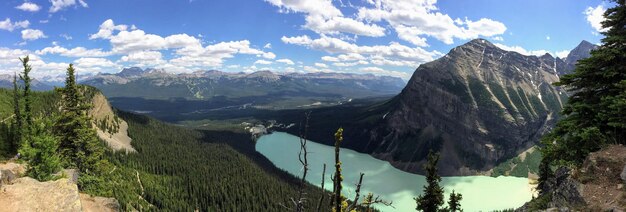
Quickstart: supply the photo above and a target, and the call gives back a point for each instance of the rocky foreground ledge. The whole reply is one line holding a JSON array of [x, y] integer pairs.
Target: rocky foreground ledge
[[27, 194], [599, 185]]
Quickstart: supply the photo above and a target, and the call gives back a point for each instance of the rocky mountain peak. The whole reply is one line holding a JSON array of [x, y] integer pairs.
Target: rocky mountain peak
[[583, 50], [130, 72]]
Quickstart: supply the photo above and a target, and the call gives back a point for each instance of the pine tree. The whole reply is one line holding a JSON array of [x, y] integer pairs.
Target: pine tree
[[40, 150], [25, 76], [17, 124], [595, 114], [432, 198], [454, 202], [80, 145]]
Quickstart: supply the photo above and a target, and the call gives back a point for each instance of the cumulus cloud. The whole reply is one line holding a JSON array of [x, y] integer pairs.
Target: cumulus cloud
[[380, 71], [58, 5], [285, 61], [9, 64], [392, 50], [106, 30], [324, 18], [32, 34], [321, 65], [413, 19], [521, 50], [263, 62], [75, 52], [595, 16], [10, 26], [562, 54], [29, 7]]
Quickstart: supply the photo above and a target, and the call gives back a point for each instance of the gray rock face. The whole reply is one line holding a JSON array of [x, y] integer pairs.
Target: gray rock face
[[565, 191], [580, 52], [623, 175], [478, 104]]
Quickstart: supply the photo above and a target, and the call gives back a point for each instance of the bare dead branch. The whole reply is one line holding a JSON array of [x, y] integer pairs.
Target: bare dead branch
[[358, 190]]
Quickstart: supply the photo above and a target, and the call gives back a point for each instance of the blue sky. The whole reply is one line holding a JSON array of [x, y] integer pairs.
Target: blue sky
[[383, 37]]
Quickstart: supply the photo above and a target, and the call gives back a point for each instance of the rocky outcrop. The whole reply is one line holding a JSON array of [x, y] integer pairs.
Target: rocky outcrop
[[102, 112], [28, 194], [564, 190], [595, 186]]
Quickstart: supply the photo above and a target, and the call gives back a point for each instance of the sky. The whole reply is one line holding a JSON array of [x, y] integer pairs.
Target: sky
[[381, 37]]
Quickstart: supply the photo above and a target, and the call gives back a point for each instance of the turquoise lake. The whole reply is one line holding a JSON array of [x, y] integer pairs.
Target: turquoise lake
[[480, 193]]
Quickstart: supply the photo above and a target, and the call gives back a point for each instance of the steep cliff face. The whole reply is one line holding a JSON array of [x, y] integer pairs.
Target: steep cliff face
[[109, 127], [477, 105]]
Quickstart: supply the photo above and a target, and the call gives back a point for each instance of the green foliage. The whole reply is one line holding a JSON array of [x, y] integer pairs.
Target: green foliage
[[483, 97], [40, 150], [80, 145], [432, 197], [518, 167], [594, 115], [16, 134], [182, 170], [454, 203], [28, 116]]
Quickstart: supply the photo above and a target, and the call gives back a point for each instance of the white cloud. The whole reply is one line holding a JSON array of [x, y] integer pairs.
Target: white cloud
[[338, 25], [29, 7], [106, 29], [547, 37], [330, 59], [562, 54], [58, 5], [91, 66], [10, 26], [269, 55], [595, 16], [9, 64], [323, 8], [521, 50], [321, 65], [380, 71], [75, 52], [498, 38], [66, 36], [285, 61], [343, 64], [32, 34], [267, 46], [413, 19], [263, 62], [93, 62], [393, 50], [324, 18], [144, 58]]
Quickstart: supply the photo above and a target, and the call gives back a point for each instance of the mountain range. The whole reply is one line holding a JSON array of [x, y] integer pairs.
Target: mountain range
[[156, 90], [478, 105], [6, 81]]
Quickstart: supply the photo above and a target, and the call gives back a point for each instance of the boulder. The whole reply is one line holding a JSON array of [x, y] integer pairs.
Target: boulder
[[27, 194]]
